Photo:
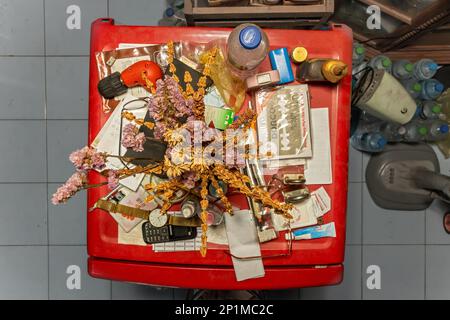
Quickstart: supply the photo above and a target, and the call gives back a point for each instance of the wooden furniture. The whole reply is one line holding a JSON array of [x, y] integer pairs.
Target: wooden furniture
[[402, 22], [311, 13]]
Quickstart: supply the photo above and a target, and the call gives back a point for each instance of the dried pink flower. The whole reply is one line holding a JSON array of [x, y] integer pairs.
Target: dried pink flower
[[68, 189], [88, 158], [113, 179], [132, 138]]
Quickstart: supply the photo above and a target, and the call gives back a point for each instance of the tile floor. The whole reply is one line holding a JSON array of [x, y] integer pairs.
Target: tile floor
[[43, 116]]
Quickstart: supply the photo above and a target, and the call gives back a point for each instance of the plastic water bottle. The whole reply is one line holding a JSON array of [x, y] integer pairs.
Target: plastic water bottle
[[402, 69], [431, 89], [381, 62], [425, 69], [247, 47], [413, 87], [172, 18], [393, 132], [358, 53], [178, 4], [438, 130], [432, 110], [368, 141], [416, 131]]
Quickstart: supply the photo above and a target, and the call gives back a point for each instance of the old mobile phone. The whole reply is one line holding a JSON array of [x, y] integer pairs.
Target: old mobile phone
[[167, 233]]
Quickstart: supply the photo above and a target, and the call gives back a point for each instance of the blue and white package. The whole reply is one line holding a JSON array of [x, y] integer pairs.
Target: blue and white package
[[279, 59], [323, 231]]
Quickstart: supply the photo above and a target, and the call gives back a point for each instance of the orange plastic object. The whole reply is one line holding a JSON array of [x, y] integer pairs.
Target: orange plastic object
[[133, 75]]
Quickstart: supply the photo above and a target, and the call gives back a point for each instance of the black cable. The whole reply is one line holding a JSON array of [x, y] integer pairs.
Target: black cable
[[121, 125]]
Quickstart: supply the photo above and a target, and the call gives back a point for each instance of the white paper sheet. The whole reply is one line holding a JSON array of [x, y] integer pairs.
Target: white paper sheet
[[318, 168], [243, 242], [306, 213]]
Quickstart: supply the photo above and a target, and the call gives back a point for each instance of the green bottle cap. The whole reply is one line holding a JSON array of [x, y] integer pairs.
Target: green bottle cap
[[423, 131], [417, 87], [360, 50], [436, 108], [386, 62], [409, 67]]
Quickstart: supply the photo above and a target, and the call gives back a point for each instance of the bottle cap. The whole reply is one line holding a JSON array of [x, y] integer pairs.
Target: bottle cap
[[443, 128], [299, 54], [360, 50], [169, 12], [439, 87], [436, 108], [401, 130], [188, 210], [432, 66], [417, 87], [423, 131], [386, 62], [250, 37], [409, 67], [382, 142]]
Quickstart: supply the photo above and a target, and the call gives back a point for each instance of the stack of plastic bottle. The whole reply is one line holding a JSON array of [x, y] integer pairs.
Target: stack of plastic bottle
[[174, 14], [429, 124]]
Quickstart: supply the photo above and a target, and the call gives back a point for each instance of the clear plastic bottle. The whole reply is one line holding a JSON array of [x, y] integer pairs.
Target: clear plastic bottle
[[425, 69], [416, 131], [393, 132], [418, 113], [247, 47], [402, 69], [438, 131], [230, 87], [413, 87], [381, 62], [358, 54], [432, 110], [431, 89], [172, 18], [368, 141]]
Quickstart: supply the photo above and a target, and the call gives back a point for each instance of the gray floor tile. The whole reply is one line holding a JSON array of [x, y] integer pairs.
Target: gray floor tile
[[67, 87], [438, 266], [63, 138], [66, 263], [67, 222], [354, 213], [355, 165], [23, 151], [24, 272], [435, 230], [22, 88], [22, 27], [137, 12], [402, 272], [382, 226], [62, 35], [291, 294], [132, 291], [23, 214], [349, 289]]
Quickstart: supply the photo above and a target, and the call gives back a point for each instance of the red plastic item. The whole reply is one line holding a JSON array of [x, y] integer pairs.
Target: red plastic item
[[312, 263], [132, 76]]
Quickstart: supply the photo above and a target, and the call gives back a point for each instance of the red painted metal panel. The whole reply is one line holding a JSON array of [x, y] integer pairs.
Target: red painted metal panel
[[215, 271]]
